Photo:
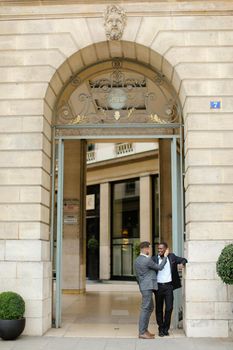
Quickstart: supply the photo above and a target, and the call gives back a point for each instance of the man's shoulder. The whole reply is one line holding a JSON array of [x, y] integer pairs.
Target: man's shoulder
[[172, 256], [140, 258], [175, 258], [154, 258]]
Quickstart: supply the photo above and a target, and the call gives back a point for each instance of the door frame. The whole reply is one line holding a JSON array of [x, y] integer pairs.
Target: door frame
[[178, 233]]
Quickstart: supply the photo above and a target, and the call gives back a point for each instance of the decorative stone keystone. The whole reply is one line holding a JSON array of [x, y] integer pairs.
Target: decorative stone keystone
[[114, 22]]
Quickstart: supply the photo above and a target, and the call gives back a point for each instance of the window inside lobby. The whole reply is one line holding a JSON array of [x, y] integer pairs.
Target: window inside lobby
[[125, 227], [92, 231]]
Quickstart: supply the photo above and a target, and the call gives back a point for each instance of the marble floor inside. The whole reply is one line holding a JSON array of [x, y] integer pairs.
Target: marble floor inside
[[103, 314]]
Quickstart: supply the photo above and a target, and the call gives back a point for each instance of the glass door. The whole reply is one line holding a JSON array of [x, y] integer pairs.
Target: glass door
[[125, 227]]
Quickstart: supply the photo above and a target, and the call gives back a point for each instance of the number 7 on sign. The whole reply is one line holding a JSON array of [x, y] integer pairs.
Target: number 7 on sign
[[215, 104]]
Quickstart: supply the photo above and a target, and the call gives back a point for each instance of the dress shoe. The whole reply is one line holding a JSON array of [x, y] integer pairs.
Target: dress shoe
[[165, 332], [161, 334], [146, 335], [151, 334]]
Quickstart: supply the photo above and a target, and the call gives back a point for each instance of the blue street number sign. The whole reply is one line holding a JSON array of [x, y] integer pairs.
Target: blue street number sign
[[215, 104]]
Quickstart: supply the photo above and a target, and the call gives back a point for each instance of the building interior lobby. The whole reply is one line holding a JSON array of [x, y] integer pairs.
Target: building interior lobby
[[110, 312], [110, 304]]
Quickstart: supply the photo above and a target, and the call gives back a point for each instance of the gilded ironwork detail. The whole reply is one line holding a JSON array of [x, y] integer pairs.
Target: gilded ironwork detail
[[155, 119], [119, 96], [78, 120]]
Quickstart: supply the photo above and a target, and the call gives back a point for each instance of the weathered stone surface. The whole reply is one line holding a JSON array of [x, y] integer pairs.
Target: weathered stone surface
[[231, 329], [209, 230], [26, 74], [209, 175], [209, 212], [9, 230], [201, 104], [208, 122], [214, 139], [24, 212], [26, 250], [33, 230], [191, 54], [16, 107], [209, 194], [200, 310], [205, 290], [33, 269], [207, 328], [204, 251], [209, 157], [200, 271], [8, 269], [224, 311]]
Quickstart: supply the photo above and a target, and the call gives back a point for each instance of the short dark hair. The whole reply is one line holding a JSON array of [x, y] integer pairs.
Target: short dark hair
[[164, 244], [144, 244]]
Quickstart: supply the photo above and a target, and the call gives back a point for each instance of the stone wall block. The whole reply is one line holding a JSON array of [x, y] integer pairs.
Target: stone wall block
[[200, 310], [205, 291], [207, 328]]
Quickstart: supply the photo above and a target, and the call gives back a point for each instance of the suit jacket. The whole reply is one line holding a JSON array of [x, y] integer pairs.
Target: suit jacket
[[145, 270], [174, 261]]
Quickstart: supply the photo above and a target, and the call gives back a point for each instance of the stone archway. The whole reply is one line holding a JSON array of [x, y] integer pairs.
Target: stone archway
[[92, 55], [112, 74]]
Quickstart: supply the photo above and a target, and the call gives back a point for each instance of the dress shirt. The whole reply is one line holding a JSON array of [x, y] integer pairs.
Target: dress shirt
[[164, 276]]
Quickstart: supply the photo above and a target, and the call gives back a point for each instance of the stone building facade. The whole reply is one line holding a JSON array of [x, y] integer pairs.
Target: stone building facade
[[44, 43]]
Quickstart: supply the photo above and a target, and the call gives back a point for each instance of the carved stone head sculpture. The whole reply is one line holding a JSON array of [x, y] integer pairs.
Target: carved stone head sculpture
[[114, 22]]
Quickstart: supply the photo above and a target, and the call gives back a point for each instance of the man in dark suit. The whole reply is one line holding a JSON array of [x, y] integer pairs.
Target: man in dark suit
[[145, 270], [168, 280]]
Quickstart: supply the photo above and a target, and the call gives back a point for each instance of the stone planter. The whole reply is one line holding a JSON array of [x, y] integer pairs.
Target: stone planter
[[11, 329]]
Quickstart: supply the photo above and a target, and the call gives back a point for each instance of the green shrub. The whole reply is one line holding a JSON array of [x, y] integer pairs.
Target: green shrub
[[225, 264], [12, 306]]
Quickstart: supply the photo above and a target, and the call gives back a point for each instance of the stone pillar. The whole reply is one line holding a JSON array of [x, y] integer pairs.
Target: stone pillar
[[105, 231], [145, 209], [209, 213], [165, 191], [74, 260], [25, 265]]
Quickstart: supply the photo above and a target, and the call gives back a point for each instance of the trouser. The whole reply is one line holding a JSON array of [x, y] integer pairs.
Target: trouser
[[164, 295], [147, 307]]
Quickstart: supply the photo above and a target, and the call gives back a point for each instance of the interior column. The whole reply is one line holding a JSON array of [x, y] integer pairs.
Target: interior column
[[105, 231], [165, 191], [145, 209], [74, 242]]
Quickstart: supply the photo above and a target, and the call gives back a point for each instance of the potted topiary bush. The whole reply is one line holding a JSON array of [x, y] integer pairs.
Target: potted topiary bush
[[225, 264], [12, 321]]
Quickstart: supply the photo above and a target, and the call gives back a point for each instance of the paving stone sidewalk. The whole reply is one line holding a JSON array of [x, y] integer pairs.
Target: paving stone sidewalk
[[64, 343]]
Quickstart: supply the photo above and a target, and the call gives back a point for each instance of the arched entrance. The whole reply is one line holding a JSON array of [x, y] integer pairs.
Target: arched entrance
[[116, 99]]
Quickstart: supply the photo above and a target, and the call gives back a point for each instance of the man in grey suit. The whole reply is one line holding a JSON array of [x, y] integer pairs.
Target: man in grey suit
[[145, 270]]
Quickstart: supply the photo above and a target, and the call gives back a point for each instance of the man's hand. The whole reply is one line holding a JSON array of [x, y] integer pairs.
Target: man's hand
[[180, 267], [166, 252]]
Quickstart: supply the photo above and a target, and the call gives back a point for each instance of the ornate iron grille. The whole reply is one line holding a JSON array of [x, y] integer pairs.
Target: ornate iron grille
[[120, 97]]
